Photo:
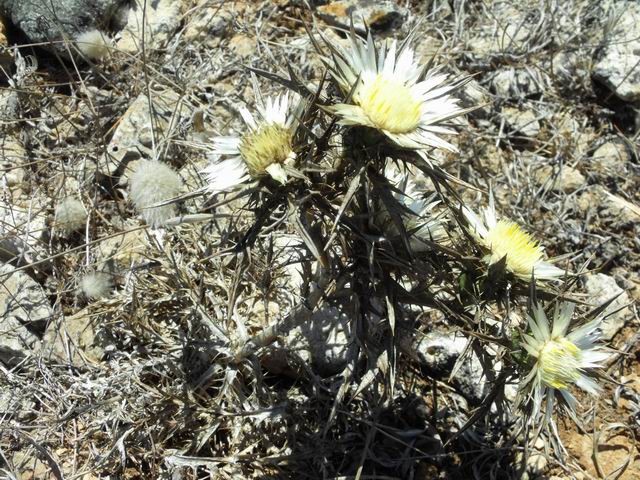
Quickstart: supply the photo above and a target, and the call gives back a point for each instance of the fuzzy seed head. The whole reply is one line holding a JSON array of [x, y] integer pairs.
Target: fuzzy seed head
[[96, 285], [151, 183], [70, 216], [521, 250], [93, 44], [559, 361], [389, 104], [269, 144]]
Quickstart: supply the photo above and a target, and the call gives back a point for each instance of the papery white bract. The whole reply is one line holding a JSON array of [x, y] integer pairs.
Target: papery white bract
[[265, 148], [390, 92], [562, 358], [424, 226], [504, 238]]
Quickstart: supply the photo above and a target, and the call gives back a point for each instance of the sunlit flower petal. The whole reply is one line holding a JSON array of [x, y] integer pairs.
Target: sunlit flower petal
[[504, 238], [392, 95], [262, 150], [560, 360]]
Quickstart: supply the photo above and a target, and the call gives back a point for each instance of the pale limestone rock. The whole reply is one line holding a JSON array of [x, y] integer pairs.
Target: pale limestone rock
[[600, 288]]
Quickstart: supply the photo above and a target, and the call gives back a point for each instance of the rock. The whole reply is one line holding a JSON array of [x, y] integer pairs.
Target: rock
[[473, 95], [118, 253], [600, 288], [377, 14], [14, 406], [243, 45], [322, 342], [426, 48], [22, 298], [23, 230], [72, 339], [513, 36], [440, 351], [12, 157], [618, 65], [162, 20], [16, 342], [51, 23], [207, 22], [567, 180], [29, 466], [618, 211], [518, 83], [570, 69], [133, 138], [611, 157], [522, 123], [5, 56], [22, 303]]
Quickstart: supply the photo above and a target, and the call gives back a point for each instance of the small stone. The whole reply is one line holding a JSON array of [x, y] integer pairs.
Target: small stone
[[119, 253], [601, 288], [321, 342], [162, 20], [243, 45], [440, 351], [22, 303], [134, 136], [72, 339], [207, 23], [523, 123], [473, 95], [29, 466], [517, 83], [513, 36], [537, 463], [620, 212], [570, 69], [377, 14], [49, 24], [22, 298], [618, 65], [611, 157], [567, 180], [12, 157]]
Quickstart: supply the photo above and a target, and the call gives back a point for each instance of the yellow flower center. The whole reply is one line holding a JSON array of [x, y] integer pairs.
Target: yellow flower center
[[265, 146], [559, 362], [521, 250], [389, 105]]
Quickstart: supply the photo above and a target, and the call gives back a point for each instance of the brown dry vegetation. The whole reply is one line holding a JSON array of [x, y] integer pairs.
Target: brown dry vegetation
[[160, 380]]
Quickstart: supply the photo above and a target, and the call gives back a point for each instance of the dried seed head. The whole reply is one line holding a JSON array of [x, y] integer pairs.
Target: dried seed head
[[96, 285], [93, 44], [70, 216], [152, 183]]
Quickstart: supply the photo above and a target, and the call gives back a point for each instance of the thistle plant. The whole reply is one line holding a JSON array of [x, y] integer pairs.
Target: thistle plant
[[347, 165]]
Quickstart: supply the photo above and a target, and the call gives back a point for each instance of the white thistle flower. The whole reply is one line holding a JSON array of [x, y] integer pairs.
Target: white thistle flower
[[424, 226], [392, 94], [504, 238], [264, 149], [70, 216], [562, 359], [151, 183]]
